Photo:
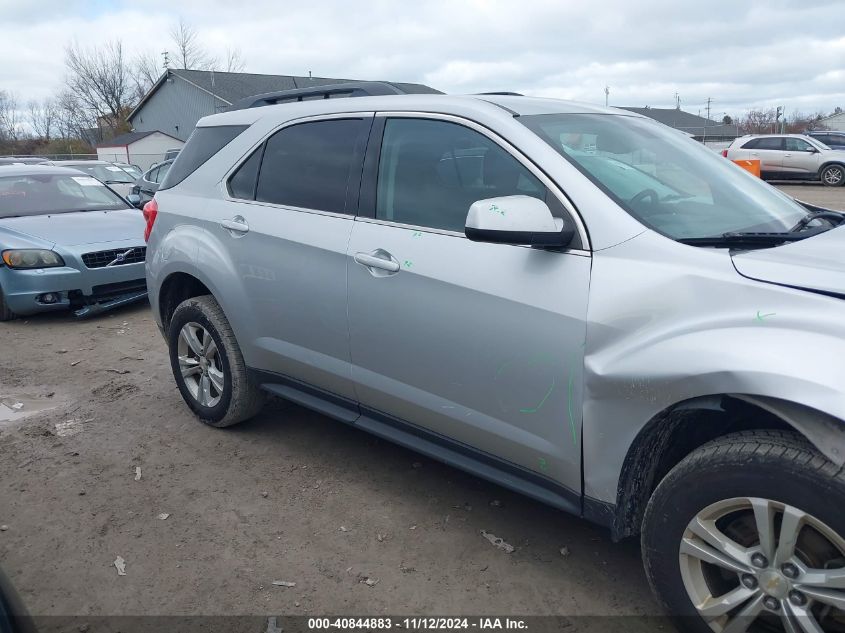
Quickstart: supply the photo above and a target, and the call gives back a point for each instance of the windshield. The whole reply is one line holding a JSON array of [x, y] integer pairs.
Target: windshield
[[106, 173], [664, 179], [132, 170], [40, 194]]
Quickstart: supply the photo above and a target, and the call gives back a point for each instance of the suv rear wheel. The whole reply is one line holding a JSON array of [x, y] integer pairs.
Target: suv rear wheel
[[208, 365], [833, 175], [747, 534]]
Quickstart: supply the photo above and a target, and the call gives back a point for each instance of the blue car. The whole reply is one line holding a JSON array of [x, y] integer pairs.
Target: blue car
[[67, 242]]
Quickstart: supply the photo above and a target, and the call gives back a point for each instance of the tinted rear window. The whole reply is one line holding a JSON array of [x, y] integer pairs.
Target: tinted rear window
[[310, 165], [203, 143]]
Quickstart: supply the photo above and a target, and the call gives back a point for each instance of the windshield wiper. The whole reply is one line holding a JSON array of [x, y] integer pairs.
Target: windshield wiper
[[751, 239], [833, 217]]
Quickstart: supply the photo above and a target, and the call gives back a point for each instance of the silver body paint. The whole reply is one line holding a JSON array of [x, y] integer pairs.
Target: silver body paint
[[529, 356]]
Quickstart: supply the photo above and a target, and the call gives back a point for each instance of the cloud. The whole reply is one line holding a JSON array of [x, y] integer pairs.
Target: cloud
[[740, 54]]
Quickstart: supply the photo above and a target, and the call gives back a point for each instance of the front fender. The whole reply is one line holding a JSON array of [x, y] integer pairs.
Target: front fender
[[660, 335]]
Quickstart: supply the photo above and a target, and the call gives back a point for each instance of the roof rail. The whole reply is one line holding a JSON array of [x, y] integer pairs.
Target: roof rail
[[501, 94], [350, 89]]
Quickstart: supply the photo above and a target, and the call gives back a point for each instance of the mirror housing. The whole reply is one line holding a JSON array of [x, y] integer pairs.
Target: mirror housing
[[519, 220], [134, 199]]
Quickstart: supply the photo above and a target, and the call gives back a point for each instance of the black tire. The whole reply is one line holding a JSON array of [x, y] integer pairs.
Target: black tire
[[775, 465], [5, 313], [241, 397], [833, 176]]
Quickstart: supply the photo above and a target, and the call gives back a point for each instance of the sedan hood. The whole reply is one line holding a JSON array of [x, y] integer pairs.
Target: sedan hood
[[816, 263], [85, 227]]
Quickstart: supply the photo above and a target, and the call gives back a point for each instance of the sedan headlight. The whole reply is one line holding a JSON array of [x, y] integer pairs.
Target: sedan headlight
[[32, 258]]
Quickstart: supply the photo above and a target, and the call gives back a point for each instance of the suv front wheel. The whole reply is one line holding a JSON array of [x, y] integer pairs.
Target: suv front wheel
[[208, 365], [746, 534], [833, 176]]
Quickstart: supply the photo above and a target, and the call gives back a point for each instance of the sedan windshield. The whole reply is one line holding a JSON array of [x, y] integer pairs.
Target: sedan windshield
[[40, 194], [664, 179], [108, 174]]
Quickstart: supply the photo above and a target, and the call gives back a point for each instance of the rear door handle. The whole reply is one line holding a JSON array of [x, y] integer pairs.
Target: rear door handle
[[377, 260], [237, 225]]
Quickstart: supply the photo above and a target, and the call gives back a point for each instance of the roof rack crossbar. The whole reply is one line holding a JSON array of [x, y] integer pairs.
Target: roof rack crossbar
[[351, 89]]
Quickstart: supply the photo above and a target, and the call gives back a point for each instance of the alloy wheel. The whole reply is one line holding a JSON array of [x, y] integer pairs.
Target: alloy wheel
[[833, 176], [753, 564], [200, 364]]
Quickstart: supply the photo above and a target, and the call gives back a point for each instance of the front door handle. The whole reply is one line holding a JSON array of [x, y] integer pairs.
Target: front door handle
[[237, 225], [378, 260]]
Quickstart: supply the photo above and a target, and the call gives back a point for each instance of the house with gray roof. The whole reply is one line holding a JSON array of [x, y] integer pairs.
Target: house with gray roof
[[180, 98], [698, 127]]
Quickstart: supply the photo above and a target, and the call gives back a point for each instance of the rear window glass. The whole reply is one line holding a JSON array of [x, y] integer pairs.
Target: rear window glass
[[242, 182], [203, 143], [42, 194]]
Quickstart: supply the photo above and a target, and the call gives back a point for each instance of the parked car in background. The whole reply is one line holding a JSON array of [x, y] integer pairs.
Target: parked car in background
[[132, 170], [24, 160], [172, 153], [146, 186], [576, 302], [791, 157], [834, 140], [67, 241], [107, 173]]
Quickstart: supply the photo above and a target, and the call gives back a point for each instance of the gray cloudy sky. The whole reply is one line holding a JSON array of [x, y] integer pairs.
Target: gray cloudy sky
[[743, 54]]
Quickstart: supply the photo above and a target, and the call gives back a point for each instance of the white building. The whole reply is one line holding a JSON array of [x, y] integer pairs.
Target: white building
[[832, 122], [138, 148]]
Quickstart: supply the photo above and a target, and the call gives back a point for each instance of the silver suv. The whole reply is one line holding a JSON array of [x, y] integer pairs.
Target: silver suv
[[791, 157], [575, 302]]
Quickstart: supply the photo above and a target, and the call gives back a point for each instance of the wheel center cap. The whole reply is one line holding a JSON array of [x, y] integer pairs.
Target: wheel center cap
[[774, 584], [203, 364]]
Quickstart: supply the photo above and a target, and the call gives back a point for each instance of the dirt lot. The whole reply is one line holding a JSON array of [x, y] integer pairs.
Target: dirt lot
[[289, 496]]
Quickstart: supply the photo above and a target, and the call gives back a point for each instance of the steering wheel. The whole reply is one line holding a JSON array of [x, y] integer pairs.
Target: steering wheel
[[645, 194]]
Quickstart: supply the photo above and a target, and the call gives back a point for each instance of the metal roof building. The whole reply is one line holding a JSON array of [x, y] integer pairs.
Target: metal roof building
[[180, 98], [698, 127]]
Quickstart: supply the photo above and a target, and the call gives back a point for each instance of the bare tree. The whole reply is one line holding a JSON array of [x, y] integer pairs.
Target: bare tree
[[43, 118], [234, 61], [101, 80], [190, 54], [145, 73], [72, 118], [758, 121], [10, 122]]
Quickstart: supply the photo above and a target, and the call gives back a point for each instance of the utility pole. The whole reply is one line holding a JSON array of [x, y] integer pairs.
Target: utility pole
[[166, 57], [606, 95], [709, 100], [677, 101], [778, 115]]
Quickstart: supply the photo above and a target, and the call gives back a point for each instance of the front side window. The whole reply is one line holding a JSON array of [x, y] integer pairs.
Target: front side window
[[311, 165], [162, 172], [667, 181], [430, 172], [798, 145], [41, 194]]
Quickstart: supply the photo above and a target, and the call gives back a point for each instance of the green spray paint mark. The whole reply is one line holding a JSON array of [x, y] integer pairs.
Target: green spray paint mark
[[760, 317], [542, 463], [408, 263], [542, 402], [495, 209], [417, 234]]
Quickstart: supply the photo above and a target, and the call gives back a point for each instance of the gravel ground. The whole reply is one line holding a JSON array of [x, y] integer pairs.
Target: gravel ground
[[289, 496]]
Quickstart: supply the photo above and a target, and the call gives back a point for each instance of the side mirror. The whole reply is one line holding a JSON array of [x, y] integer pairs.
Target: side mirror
[[516, 220], [134, 199]]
